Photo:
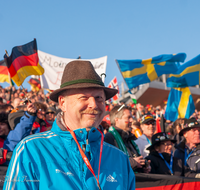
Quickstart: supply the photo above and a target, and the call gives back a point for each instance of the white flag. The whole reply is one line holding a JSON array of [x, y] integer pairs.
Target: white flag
[[54, 67]]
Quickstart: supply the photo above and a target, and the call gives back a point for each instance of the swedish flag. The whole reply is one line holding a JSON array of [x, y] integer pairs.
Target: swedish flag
[[136, 72], [186, 75], [180, 104]]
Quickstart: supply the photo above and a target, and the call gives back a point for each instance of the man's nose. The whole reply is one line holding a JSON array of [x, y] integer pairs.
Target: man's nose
[[92, 102]]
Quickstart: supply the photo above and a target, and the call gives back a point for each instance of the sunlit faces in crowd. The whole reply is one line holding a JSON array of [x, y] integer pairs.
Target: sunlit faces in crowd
[[125, 121], [149, 128], [4, 129], [88, 107], [165, 146], [41, 114], [192, 136], [50, 116]]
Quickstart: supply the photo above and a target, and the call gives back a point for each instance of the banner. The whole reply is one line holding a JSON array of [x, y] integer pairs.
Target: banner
[[54, 67], [165, 182]]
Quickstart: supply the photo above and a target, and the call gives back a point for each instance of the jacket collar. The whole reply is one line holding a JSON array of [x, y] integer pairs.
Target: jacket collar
[[81, 134], [125, 135]]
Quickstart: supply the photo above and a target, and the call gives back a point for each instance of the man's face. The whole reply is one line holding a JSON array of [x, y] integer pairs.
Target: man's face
[[83, 108], [50, 116], [4, 129], [149, 128], [193, 135], [125, 122], [41, 114]]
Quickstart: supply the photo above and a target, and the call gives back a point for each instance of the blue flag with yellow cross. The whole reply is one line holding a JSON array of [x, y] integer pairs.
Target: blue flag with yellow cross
[[180, 104], [188, 74], [136, 72]]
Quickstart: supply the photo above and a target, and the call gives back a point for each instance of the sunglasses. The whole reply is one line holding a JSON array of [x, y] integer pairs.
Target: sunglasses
[[167, 144], [150, 123], [49, 112]]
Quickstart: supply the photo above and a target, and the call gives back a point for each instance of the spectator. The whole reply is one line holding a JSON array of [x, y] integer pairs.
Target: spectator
[[20, 123], [162, 160], [39, 125], [120, 136], [178, 126], [16, 102], [50, 117], [4, 131], [189, 150], [136, 129], [148, 126], [62, 154]]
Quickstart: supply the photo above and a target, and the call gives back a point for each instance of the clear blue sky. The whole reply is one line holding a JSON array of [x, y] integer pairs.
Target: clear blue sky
[[120, 29]]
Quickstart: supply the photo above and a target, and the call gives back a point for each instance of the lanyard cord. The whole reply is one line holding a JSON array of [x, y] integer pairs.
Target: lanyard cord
[[85, 159], [188, 155], [148, 140], [171, 163]]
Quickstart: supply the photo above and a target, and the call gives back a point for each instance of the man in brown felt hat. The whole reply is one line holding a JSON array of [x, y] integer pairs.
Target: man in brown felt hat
[[73, 155]]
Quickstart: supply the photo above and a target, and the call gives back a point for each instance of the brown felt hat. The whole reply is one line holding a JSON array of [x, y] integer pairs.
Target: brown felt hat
[[81, 74]]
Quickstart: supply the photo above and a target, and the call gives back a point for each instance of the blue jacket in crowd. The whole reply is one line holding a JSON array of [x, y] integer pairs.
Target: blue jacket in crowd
[[21, 130], [51, 160]]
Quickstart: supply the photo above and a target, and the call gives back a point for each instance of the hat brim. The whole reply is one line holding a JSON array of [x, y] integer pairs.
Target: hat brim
[[187, 129], [152, 146], [150, 119], [109, 92]]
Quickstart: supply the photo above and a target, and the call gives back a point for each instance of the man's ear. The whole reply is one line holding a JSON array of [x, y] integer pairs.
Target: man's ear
[[62, 103], [116, 121], [185, 134]]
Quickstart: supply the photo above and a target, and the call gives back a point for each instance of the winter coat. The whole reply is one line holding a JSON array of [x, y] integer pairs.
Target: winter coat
[[158, 165], [194, 159], [143, 144], [52, 160], [126, 137]]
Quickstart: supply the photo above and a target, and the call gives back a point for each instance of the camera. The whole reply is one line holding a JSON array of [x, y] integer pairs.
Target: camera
[[26, 101], [146, 164]]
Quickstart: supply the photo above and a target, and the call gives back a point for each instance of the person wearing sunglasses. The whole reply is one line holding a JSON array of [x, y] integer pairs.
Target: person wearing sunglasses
[[162, 159], [148, 126], [49, 118]]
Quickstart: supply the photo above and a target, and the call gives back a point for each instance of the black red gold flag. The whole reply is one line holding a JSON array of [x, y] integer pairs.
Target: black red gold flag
[[24, 62], [4, 74], [35, 84], [165, 182]]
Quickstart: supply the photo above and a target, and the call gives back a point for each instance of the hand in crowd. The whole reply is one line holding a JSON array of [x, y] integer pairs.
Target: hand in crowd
[[140, 161], [31, 108], [148, 168]]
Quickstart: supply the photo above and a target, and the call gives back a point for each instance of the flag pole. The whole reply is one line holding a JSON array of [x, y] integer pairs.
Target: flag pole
[[8, 74], [7, 67]]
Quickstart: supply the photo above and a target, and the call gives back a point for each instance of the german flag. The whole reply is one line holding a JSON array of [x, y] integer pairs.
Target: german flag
[[35, 84], [4, 74], [24, 62], [165, 182]]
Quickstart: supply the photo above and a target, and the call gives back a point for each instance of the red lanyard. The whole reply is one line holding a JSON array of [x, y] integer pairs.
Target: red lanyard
[[85, 159]]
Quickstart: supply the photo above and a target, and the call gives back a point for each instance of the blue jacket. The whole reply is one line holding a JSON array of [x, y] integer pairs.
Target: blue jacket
[[21, 130], [51, 160]]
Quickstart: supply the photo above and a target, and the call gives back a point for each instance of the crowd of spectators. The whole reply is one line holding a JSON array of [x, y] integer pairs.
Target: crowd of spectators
[[24, 113]]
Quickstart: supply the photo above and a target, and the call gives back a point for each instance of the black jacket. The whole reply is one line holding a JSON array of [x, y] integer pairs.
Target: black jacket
[[158, 165], [126, 137]]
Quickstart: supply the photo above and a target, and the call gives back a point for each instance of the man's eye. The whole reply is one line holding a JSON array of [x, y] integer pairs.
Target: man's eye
[[99, 98], [83, 97]]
